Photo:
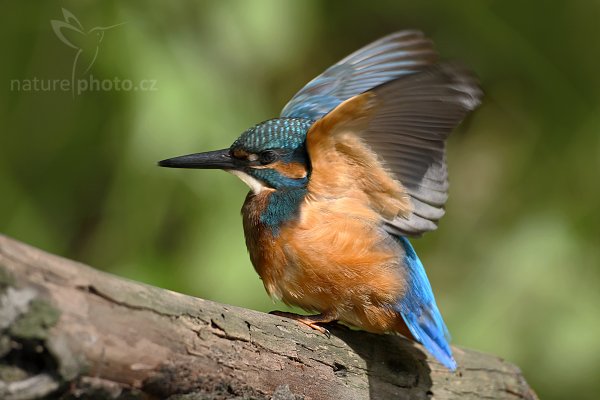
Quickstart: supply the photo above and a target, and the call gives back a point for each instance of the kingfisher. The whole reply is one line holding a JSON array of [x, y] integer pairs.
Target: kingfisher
[[353, 167]]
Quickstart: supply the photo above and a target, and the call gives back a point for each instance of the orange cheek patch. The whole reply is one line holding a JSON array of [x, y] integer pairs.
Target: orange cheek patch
[[240, 154], [291, 170]]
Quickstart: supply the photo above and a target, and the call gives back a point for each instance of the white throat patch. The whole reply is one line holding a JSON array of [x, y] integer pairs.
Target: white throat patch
[[255, 185]]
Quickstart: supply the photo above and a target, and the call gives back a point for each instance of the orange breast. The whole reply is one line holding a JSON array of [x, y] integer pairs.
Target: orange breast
[[334, 258]]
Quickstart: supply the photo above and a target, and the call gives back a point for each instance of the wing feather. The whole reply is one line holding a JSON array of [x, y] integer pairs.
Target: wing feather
[[399, 54], [400, 130], [409, 128]]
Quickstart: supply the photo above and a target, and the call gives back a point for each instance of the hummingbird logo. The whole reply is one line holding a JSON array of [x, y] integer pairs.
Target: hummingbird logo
[[87, 43]]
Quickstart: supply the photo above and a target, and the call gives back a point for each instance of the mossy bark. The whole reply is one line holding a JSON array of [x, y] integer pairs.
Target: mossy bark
[[70, 331]]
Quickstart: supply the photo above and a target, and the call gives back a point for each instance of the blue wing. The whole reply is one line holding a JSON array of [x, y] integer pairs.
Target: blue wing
[[388, 58], [420, 312]]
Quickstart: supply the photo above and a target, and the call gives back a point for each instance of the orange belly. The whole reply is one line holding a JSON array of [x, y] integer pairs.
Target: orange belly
[[336, 259]]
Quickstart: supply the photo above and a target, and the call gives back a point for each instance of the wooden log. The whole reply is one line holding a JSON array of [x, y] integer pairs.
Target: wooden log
[[69, 331]]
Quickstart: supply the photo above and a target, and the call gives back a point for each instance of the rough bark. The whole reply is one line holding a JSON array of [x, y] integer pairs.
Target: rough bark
[[70, 331]]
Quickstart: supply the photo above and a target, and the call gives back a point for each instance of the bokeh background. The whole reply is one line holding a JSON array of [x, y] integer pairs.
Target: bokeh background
[[515, 262]]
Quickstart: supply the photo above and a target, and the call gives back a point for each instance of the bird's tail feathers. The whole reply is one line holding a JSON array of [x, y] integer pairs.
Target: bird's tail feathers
[[420, 312], [432, 336]]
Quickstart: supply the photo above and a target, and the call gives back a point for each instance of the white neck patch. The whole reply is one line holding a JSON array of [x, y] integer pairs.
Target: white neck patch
[[255, 185]]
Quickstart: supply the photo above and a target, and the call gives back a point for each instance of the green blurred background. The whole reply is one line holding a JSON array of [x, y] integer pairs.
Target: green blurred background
[[514, 262]]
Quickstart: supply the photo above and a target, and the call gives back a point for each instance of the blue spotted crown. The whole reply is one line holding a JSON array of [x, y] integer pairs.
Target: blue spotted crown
[[278, 133]]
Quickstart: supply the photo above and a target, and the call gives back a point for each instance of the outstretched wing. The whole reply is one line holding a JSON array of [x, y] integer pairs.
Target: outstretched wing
[[404, 124], [413, 119], [399, 54]]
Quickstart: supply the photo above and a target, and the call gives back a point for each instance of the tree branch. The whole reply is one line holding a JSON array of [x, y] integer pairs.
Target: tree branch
[[70, 331]]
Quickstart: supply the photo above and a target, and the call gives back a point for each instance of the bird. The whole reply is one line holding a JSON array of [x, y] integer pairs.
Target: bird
[[354, 167]]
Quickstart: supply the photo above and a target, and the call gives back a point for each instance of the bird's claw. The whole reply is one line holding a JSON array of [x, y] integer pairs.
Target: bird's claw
[[309, 320]]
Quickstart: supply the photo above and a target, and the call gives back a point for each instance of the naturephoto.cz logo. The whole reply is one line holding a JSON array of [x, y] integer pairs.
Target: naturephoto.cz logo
[[87, 45]]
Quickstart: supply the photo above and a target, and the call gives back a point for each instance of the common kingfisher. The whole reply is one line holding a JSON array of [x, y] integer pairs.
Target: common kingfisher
[[354, 165]]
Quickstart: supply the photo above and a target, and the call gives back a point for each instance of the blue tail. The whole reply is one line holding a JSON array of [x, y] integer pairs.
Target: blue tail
[[420, 312]]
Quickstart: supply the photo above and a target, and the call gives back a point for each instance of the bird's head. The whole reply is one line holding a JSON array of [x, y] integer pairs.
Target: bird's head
[[270, 155]]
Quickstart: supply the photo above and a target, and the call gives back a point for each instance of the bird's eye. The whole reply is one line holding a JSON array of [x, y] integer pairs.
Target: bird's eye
[[267, 157]]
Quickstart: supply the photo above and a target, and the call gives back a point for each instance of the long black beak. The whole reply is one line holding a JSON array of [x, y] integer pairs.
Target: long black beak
[[218, 159]]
